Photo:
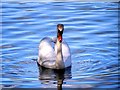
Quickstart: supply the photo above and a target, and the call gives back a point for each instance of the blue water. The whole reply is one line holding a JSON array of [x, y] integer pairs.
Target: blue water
[[91, 31]]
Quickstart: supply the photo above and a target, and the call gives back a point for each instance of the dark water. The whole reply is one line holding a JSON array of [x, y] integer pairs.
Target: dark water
[[91, 30]]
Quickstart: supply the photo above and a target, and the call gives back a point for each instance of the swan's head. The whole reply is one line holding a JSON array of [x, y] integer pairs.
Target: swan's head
[[60, 28]]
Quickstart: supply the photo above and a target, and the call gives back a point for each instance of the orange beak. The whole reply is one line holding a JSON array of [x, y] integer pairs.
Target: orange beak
[[60, 38]]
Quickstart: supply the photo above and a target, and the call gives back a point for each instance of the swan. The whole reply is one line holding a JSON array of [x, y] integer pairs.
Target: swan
[[54, 52]]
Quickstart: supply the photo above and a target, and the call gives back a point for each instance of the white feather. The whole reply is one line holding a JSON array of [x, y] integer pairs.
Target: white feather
[[48, 53]]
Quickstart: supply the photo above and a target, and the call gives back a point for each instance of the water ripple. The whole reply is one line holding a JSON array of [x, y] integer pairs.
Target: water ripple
[[90, 30]]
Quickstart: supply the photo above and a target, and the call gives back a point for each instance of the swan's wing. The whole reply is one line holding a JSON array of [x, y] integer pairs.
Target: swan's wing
[[46, 51], [66, 54], [54, 39]]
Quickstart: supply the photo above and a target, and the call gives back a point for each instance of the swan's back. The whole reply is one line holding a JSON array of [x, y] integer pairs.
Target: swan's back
[[46, 51]]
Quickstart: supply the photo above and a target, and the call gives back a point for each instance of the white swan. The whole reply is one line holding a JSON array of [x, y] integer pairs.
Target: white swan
[[54, 52]]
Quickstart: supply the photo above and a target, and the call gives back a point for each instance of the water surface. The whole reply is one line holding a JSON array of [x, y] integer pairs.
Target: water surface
[[91, 30]]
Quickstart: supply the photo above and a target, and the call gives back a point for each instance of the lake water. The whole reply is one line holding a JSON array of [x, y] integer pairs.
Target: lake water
[[91, 30]]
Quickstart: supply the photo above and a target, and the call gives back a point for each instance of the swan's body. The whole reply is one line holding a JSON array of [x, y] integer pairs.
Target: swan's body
[[54, 53]]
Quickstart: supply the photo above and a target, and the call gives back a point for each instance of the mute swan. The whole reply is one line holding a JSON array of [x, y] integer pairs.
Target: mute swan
[[54, 53]]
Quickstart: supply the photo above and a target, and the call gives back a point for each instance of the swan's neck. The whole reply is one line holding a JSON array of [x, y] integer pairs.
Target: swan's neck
[[59, 57]]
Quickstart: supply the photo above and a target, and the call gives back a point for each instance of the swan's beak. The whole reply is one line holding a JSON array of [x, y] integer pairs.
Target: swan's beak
[[60, 28], [60, 38]]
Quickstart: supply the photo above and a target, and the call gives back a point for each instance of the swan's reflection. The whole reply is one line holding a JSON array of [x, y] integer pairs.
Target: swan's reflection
[[45, 75]]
